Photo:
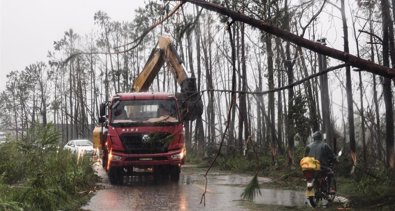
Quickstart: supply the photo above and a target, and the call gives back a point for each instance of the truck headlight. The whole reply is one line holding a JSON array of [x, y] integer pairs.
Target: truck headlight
[[116, 157], [179, 156]]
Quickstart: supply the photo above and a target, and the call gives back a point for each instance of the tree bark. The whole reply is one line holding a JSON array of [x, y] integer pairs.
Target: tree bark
[[280, 77], [314, 125], [290, 74], [325, 100], [388, 40], [233, 88], [243, 121], [199, 131], [271, 109], [350, 107], [362, 112]]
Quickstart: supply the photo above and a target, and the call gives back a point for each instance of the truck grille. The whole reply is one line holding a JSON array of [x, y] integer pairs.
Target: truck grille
[[146, 143]]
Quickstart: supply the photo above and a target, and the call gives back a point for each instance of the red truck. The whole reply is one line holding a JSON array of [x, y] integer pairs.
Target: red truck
[[143, 131]]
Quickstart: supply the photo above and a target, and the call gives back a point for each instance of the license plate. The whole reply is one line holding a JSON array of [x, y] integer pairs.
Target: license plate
[[138, 170], [309, 193], [145, 158]]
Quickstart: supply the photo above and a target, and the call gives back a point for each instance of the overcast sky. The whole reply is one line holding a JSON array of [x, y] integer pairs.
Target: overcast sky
[[29, 27]]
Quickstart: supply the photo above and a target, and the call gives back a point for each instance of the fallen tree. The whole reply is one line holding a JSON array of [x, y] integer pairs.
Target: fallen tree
[[350, 59]]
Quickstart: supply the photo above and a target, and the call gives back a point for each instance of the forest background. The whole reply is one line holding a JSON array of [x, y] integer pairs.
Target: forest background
[[237, 68]]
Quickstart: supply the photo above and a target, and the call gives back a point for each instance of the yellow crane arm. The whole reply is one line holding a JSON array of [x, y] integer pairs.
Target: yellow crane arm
[[165, 51]]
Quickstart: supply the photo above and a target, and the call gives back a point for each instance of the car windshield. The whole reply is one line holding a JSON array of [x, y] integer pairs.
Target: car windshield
[[146, 111], [83, 143]]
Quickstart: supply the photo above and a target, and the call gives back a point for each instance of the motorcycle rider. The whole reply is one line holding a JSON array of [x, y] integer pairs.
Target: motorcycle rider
[[322, 152]]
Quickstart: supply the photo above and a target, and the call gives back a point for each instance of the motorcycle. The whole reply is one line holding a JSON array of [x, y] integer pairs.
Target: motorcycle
[[317, 179]]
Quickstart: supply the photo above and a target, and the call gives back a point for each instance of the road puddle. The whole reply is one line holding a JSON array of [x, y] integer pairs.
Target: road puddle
[[232, 186], [223, 193]]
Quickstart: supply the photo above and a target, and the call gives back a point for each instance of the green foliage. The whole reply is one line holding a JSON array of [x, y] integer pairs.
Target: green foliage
[[297, 112], [252, 189], [299, 153], [10, 206], [369, 188], [194, 158], [237, 163], [367, 180], [5, 203], [211, 150], [12, 167], [37, 175]]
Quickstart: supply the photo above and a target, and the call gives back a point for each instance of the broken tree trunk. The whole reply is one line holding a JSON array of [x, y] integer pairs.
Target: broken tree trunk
[[311, 45]]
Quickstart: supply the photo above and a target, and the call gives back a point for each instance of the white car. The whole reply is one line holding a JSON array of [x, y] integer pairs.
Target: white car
[[80, 146]]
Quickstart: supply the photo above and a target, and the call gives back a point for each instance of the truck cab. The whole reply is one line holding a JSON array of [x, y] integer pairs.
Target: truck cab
[[143, 133]]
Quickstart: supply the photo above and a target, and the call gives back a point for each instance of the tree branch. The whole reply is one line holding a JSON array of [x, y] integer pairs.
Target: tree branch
[[372, 34], [141, 37], [138, 40], [304, 28], [283, 87]]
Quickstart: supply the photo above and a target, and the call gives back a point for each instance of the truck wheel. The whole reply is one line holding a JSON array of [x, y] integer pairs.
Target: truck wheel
[[175, 173], [104, 158], [157, 174], [115, 175], [104, 162]]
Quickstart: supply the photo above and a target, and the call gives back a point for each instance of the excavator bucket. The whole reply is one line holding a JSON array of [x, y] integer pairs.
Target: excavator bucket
[[189, 100]]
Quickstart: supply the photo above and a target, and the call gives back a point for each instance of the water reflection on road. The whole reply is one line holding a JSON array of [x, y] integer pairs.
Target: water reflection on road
[[224, 190]]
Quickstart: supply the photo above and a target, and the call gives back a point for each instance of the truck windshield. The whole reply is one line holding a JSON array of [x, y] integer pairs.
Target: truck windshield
[[146, 111]]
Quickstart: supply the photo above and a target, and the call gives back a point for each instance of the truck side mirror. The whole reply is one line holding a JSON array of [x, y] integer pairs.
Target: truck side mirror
[[102, 119], [102, 113], [102, 109]]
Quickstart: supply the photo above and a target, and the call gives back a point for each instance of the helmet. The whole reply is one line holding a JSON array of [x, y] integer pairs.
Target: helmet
[[317, 135]]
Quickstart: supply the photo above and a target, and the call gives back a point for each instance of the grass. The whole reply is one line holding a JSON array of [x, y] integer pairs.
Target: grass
[[194, 159]]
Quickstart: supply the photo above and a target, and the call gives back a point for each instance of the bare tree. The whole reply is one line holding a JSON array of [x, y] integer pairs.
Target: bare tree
[[350, 108], [388, 51]]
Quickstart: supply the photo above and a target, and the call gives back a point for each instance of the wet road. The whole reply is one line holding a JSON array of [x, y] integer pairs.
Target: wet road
[[223, 193]]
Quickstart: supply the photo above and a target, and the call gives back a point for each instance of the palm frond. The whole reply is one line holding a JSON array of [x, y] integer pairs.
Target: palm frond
[[251, 190]]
